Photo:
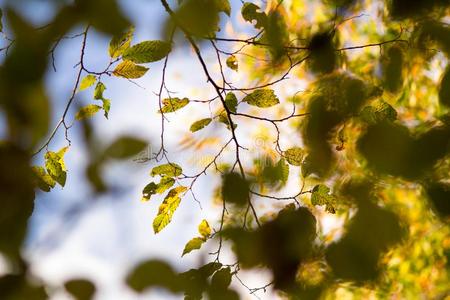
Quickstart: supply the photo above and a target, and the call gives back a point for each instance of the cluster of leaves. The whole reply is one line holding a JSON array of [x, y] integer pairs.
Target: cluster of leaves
[[390, 134]]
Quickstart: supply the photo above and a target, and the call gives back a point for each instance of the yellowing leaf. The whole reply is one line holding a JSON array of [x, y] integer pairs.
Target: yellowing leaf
[[54, 163], [153, 188], [128, 69], [204, 229], [173, 104], [262, 98], [200, 124], [232, 63], [170, 170], [249, 13], [294, 156], [43, 180], [87, 82], [148, 51], [120, 43], [148, 191], [223, 5], [167, 208], [195, 243], [87, 111]]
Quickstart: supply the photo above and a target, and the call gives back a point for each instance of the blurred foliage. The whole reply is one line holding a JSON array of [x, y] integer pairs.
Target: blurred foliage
[[368, 142]]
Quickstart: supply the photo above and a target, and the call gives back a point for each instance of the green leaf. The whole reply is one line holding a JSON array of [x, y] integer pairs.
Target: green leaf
[[106, 107], [54, 163], [148, 51], [167, 208], [120, 43], [250, 14], [170, 170], [221, 279], [262, 98], [128, 69], [87, 82], [80, 289], [153, 188], [380, 112], [294, 156], [99, 90], [1, 21], [320, 196], [200, 124], [444, 88], [204, 229], [173, 104], [87, 111], [231, 102], [148, 191], [125, 147], [43, 180], [235, 189], [224, 6], [165, 184], [232, 63], [193, 244]]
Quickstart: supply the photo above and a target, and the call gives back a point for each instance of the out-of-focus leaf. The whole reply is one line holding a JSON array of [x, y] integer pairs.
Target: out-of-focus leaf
[[444, 88], [262, 98], [167, 208], [173, 104], [1, 20], [322, 53], [250, 14], [193, 244], [80, 289], [221, 279], [231, 102], [153, 273], [232, 63], [148, 51], [170, 170], [393, 69], [274, 174], [128, 69], [200, 124], [17, 287], [87, 111], [204, 229], [120, 43], [235, 189], [125, 147], [43, 180], [201, 18], [320, 196], [294, 156], [223, 6], [87, 82]]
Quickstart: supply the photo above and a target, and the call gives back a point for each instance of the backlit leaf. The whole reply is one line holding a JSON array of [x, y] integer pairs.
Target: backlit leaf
[[193, 244], [231, 102], [224, 6], [221, 279], [54, 163], [99, 89], [232, 63], [250, 14], [170, 170], [87, 82], [148, 191], [320, 196], [200, 124], [262, 98], [87, 111], [148, 51], [294, 156], [43, 180], [235, 189], [173, 104], [129, 70], [204, 229], [120, 43], [167, 208]]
